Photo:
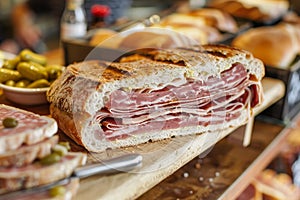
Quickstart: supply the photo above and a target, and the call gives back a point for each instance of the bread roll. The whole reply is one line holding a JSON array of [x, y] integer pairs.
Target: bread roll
[[256, 10], [155, 38], [275, 186], [276, 46], [216, 18]]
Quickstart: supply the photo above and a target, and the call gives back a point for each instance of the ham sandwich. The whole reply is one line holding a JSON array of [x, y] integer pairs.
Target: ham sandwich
[[158, 94]]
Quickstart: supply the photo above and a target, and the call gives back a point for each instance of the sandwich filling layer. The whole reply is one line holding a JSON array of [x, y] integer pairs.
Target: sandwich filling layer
[[214, 101]]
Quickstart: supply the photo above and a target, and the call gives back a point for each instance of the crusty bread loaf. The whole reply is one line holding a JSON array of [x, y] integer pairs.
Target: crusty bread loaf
[[37, 174], [155, 38], [216, 18], [195, 26], [26, 154], [86, 87], [276, 46], [31, 128], [275, 186], [257, 10], [101, 35]]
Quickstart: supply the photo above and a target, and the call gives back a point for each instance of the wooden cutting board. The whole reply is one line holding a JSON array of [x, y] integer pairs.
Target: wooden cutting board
[[160, 159]]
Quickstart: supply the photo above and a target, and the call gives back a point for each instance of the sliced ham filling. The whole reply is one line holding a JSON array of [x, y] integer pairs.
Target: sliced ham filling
[[215, 101]]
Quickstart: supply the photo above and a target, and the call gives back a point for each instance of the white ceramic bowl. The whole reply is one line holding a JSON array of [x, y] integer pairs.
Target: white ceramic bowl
[[25, 96]]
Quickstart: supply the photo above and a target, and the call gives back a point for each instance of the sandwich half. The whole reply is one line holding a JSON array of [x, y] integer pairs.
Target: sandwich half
[[155, 95]]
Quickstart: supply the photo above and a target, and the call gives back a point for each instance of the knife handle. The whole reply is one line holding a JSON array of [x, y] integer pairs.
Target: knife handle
[[122, 163]]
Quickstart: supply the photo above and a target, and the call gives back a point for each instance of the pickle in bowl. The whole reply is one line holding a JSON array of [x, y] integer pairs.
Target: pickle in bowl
[[25, 78], [29, 70]]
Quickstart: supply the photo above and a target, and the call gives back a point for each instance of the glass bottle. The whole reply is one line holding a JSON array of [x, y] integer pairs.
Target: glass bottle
[[73, 21], [99, 13]]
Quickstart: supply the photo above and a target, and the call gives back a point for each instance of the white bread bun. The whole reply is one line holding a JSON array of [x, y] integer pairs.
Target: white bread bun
[[75, 102], [183, 19], [154, 38], [159, 36], [216, 18], [198, 25], [257, 10], [276, 186], [276, 46], [101, 35]]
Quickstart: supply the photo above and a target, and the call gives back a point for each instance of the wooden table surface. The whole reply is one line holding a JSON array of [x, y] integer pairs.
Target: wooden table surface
[[224, 172]]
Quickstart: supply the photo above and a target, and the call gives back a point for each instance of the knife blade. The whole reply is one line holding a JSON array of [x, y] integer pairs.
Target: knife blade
[[124, 163]]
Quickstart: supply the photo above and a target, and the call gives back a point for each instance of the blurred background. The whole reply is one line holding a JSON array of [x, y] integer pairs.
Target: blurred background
[[139, 9]]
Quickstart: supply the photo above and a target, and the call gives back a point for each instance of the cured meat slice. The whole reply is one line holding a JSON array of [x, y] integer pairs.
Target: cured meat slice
[[217, 100], [70, 191], [15, 178], [31, 128], [26, 154]]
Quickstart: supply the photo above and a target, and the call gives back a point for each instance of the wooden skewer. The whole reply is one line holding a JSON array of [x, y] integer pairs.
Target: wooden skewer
[[248, 131]]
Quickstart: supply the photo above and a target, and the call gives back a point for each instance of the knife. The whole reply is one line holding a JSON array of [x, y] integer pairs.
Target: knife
[[123, 163]]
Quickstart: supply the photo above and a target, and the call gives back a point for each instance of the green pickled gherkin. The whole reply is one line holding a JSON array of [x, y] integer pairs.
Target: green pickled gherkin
[[22, 83], [10, 83], [57, 191], [29, 56], [32, 71], [54, 71], [8, 74], [12, 63], [50, 159], [41, 83]]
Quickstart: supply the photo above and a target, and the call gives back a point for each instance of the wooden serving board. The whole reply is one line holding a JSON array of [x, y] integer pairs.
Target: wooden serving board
[[160, 159]]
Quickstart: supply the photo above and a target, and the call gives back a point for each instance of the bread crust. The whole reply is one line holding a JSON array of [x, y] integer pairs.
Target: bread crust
[[81, 92], [276, 186], [276, 46], [265, 11]]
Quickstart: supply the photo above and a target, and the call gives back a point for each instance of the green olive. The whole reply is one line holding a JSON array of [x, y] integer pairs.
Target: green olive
[[29, 56], [12, 63], [8, 74], [32, 71], [10, 83], [9, 122], [22, 83], [41, 83], [50, 159], [57, 191], [60, 149], [66, 144]]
